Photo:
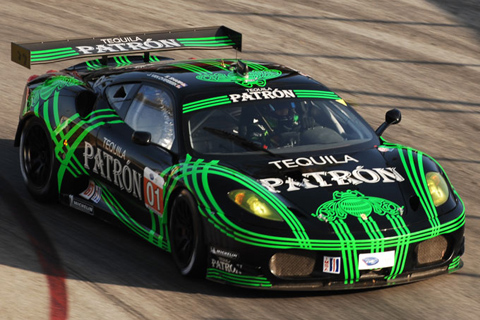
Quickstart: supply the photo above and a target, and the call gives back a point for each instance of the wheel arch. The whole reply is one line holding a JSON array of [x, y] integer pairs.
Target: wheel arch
[[173, 195], [37, 160], [70, 184], [21, 124], [197, 266]]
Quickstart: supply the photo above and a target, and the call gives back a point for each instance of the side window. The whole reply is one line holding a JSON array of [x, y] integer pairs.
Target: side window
[[117, 95], [152, 111]]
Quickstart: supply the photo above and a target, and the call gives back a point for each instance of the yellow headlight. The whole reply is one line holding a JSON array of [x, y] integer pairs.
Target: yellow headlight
[[249, 201], [438, 188]]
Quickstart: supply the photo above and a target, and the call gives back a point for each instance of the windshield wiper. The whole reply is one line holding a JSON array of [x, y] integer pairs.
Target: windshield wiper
[[241, 141]]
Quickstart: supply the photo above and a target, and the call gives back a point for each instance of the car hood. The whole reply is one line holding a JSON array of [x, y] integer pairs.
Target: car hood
[[320, 188]]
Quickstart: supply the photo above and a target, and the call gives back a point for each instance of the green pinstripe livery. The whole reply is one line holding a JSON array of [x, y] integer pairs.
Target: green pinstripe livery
[[66, 142], [53, 54], [195, 175], [238, 279], [219, 41]]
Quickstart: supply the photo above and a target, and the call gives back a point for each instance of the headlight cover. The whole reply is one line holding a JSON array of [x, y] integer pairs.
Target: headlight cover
[[253, 203], [438, 188]]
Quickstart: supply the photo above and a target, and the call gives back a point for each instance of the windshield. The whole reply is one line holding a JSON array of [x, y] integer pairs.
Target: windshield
[[277, 126]]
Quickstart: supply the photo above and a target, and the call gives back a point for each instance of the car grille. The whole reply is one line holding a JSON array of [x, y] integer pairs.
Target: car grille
[[298, 264], [432, 250]]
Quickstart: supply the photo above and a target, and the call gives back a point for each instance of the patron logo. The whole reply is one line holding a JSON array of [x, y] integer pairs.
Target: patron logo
[[113, 169], [322, 179], [125, 44], [262, 95], [225, 265]]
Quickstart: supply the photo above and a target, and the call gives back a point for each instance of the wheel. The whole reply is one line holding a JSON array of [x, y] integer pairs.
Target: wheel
[[186, 236], [37, 161]]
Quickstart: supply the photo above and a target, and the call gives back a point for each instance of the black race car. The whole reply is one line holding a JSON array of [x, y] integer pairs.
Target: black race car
[[249, 173]]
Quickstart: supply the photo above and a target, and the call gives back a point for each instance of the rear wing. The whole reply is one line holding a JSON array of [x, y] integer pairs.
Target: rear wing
[[211, 38]]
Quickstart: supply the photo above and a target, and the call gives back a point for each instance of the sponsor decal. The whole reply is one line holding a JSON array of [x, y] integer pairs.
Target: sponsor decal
[[168, 80], [114, 148], [271, 94], [331, 265], [125, 44], [92, 193], [352, 202], [113, 169], [88, 193], [259, 94], [370, 261], [322, 179], [384, 149], [265, 94], [311, 161], [80, 205], [153, 190], [225, 265], [224, 253], [97, 195], [378, 260]]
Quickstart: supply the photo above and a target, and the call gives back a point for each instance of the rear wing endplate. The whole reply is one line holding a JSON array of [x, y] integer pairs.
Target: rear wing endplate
[[211, 38]]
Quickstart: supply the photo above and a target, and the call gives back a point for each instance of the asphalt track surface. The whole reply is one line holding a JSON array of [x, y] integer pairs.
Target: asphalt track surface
[[421, 56]]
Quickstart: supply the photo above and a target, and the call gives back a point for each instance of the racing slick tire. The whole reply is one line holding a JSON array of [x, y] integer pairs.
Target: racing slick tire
[[186, 236], [37, 161]]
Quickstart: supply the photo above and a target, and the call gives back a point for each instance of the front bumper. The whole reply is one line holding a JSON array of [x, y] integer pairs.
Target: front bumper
[[240, 264]]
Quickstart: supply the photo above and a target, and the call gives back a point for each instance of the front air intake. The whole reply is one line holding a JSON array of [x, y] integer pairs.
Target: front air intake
[[292, 264], [432, 250]]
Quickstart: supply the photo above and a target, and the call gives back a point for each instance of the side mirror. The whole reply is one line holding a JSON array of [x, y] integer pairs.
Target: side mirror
[[393, 116], [84, 103], [142, 138]]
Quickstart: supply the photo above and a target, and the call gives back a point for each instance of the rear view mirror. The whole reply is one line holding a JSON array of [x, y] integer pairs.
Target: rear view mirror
[[393, 116], [142, 138]]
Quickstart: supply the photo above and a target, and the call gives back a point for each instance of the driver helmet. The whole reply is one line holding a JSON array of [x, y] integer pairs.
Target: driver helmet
[[282, 116]]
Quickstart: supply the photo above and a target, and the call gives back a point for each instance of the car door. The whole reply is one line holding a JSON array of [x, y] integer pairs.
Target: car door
[[133, 185]]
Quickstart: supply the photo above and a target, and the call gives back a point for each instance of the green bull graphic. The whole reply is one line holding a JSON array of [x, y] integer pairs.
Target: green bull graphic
[[51, 85], [356, 204], [258, 78], [361, 207]]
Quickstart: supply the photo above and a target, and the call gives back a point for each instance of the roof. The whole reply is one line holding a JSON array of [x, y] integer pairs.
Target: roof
[[212, 75]]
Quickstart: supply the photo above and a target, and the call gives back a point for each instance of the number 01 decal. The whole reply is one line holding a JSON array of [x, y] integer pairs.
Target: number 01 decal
[[153, 190]]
